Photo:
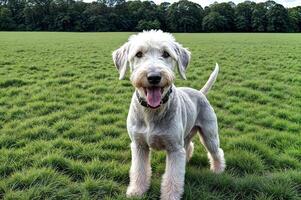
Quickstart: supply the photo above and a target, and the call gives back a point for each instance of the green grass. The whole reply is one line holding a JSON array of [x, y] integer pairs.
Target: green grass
[[63, 117]]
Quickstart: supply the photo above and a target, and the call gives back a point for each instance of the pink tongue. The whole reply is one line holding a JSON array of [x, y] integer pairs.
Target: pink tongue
[[153, 96]]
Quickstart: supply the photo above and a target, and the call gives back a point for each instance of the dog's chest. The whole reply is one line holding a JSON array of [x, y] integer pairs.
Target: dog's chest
[[156, 141], [154, 137], [157, 133]]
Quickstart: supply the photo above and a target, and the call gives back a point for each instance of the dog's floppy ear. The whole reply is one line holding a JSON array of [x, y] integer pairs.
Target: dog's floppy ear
[[183, 58], [120, 58]]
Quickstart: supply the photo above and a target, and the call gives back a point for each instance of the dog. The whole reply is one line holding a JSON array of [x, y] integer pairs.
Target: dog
[[162, 116]]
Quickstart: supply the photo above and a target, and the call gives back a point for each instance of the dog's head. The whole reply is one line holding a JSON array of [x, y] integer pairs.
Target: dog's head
[[152, 57]]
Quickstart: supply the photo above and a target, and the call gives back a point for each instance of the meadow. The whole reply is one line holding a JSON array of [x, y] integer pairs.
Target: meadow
[[63, 117]]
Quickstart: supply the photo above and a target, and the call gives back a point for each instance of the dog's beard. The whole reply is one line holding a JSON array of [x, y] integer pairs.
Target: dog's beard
[[153, 94]]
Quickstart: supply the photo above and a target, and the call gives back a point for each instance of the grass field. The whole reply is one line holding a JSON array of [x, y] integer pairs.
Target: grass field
[[63, 111]]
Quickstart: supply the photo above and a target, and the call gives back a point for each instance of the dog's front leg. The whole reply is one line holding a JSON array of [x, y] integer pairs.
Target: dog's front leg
[[173, 180], [140, 171]]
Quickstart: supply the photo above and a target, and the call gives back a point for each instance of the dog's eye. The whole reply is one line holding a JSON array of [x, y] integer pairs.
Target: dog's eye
[[165, 54], [139, 54]]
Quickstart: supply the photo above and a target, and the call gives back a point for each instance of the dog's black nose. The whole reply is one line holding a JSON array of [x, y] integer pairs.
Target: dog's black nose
[[154, 78]]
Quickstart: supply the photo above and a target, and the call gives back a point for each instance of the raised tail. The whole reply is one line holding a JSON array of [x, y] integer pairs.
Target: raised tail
[[210, 81]]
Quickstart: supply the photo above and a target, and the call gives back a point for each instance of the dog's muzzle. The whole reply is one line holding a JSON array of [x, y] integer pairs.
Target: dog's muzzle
[[154, 78], [144, 103]]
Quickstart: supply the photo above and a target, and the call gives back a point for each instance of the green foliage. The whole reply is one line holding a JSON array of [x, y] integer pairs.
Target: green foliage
[[148, 25], [120, 15], [243, 16], [63, 116], [295, 19], [259, 18], [185, 16], [227, 11], [277, 19], [6, 21], [214, 22]]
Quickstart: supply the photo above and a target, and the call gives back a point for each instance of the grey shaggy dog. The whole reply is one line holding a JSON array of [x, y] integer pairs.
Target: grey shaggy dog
[[162, 116]]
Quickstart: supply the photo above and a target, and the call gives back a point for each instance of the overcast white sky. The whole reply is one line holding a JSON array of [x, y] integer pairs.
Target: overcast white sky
[[285, 3]]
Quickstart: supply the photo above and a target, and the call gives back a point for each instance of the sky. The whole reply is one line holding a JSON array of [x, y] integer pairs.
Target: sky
[[203, 3]]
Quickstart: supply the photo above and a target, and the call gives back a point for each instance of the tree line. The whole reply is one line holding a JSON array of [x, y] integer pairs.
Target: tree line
[[121, 15]]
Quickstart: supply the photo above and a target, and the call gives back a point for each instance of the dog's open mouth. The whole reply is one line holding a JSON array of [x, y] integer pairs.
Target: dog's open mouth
[[153, 96]]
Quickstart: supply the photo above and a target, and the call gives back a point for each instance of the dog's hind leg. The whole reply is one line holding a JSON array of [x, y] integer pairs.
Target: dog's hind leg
[[189, 151], [209, 137], [140, 172], [189, 145]]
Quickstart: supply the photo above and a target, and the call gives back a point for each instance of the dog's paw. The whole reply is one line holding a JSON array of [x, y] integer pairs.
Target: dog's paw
[[135, 191], [217, 167], [217, 164], [171, 195]]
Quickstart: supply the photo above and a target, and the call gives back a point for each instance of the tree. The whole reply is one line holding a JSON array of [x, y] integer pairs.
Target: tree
[[111, 3], [37, 15], [243, 16], [259, 17], [130, 13], [185, 16], [162, 11], [16, 8], [122, 15], [3, 2], [147, 25], [295, 19], [278, 19], [96, 17], [206, 10], [214, 22], [226, 10], [6, 21]]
